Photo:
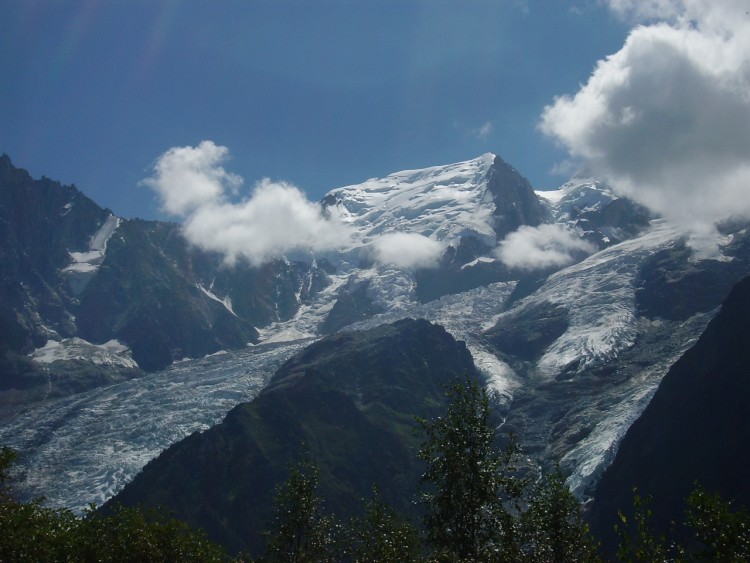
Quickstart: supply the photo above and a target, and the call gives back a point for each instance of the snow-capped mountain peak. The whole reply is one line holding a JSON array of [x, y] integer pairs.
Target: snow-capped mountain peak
[[440, 202], [592, 207], [576, 197]]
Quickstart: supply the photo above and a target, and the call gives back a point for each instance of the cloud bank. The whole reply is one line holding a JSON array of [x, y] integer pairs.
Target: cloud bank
[[274, 220], [545, 246], [667, 118], [407, 250]]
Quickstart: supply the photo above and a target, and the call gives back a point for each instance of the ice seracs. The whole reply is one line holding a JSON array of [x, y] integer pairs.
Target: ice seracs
[[599, 294]]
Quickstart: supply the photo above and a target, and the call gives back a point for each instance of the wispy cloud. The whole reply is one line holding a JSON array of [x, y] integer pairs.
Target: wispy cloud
[[522, 6], [667, 118], [275, 219], [567, 167], [484, 131], [545, 246]]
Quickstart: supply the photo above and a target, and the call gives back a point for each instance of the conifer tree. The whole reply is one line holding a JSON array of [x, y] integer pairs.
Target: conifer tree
[[723, 531], [30, 531], [553, 526], [638, 543], [300, 532], [469, 488], [382, 535]]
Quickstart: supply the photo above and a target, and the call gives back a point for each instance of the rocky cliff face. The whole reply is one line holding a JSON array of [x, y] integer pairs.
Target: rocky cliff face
[[72, 270], [40, 221], [146, 295], [515, 201]]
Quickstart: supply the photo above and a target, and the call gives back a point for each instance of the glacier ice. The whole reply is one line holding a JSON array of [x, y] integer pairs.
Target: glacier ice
[[84, 448]]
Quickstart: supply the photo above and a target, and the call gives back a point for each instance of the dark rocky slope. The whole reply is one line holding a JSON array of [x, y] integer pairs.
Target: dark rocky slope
[[516, 203], [696, 428], [40, 222], [350, 399], [145, 294], [149, 289]]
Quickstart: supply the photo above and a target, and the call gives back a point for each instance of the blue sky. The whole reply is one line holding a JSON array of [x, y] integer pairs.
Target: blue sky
[[320, 94]]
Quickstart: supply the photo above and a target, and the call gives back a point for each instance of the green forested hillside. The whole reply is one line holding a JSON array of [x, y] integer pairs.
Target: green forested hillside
[[349, 400]]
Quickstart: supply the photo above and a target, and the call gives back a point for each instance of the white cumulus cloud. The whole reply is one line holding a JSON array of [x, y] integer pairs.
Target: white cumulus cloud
[[275, 219], [187, 177], [407, 250], [667, 118], [545, 246]]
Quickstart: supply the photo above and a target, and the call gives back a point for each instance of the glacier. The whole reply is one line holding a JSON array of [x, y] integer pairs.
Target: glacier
[[82, 449]]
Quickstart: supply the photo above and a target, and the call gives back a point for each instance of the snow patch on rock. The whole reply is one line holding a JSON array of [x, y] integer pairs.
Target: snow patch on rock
[[85, 264], [112, 353]]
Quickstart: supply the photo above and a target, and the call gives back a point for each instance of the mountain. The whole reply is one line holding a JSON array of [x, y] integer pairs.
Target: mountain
[[695, 429], [40, 222], [467, 206], [590, 347], [350, 400], [573, 304], [92, 298]]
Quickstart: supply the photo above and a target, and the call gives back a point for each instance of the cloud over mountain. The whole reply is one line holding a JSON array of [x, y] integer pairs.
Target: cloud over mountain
[[667, 118], [407, 250], [275, 219], [186, 178], [545, 246]]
